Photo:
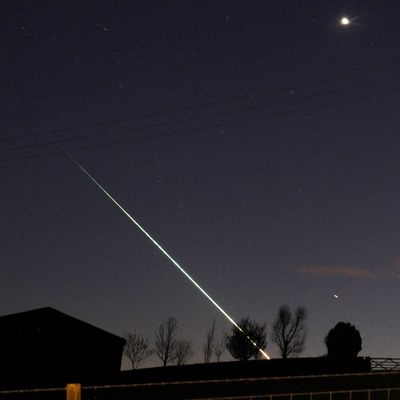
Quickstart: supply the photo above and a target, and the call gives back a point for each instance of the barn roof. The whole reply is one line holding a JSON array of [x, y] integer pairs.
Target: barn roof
[[49, 322], [46, 345]]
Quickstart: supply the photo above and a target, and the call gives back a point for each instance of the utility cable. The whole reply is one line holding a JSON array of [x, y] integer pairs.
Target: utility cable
[[212, 126]]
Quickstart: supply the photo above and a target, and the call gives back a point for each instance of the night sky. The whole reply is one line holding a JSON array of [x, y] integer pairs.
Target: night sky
[[258, 141]]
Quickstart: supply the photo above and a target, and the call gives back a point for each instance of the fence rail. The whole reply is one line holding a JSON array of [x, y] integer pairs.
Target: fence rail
[[382, 383], [75, 391], [385, 364]]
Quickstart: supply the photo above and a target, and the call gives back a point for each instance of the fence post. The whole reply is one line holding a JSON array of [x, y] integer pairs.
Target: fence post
[[73, 391]]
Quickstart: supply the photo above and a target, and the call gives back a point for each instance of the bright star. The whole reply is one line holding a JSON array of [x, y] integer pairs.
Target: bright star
[[344, 21]]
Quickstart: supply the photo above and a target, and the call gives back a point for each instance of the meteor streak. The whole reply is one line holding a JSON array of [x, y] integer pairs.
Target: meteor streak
[[163, 251]]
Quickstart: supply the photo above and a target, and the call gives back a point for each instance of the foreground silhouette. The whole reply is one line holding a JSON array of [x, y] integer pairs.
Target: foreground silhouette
[[343, 341]]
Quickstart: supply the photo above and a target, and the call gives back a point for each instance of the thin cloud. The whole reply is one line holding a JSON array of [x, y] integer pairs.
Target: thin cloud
[[395, 273], [338, 270], [395, 270]]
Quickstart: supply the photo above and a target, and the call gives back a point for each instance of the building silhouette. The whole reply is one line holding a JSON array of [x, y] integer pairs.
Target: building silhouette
[[46, 345]]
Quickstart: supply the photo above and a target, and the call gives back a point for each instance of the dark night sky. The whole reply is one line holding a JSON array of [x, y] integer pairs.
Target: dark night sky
[[256, 140]]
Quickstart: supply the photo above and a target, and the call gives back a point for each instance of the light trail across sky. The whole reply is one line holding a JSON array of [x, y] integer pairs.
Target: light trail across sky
[[170, 258]]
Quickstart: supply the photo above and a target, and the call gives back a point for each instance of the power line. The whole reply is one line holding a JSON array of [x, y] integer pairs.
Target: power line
[[204, 116], [262, 92], [212, 126]]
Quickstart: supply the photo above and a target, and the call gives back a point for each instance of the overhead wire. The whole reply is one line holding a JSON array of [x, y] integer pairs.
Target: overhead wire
[[263, 91], [203, 116], [211, 126]]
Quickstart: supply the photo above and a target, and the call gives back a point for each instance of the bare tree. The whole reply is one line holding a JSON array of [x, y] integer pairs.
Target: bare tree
[[209, 344], [288, 331], [219, 347], [247, 341], [136, 348], [166, 342], [183, 351]]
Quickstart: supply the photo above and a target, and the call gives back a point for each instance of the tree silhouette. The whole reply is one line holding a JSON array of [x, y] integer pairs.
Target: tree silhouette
[[183, 351], [288, 331], [239, 343], [219, 347], [166, 342], [343, 341], [136, 348], [209, 344]]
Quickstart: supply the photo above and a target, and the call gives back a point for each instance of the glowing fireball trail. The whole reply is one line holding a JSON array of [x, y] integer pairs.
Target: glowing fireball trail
[[170, 258]]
